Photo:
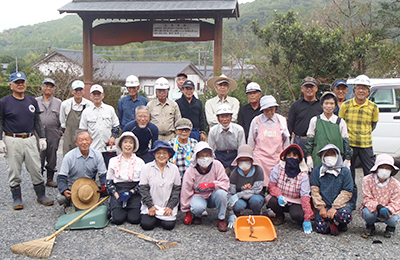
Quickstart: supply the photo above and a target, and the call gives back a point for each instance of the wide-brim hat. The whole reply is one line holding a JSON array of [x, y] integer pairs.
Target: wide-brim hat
[[244, 151], [382, 159], [128, 134], [232, 83], [162, 144], [84, 193]]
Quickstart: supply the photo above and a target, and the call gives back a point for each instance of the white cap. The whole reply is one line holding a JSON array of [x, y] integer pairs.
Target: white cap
[[224, 109], [362, 80], [78, 84], [132, 81], [161, 83], [96, 87], [253, 86], [267, 101]]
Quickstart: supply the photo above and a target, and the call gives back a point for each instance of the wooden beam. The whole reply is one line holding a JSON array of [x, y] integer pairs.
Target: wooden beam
[[218, 46], [87, 54]]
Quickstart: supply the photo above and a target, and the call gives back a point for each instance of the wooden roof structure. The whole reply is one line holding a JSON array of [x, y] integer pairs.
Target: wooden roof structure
[[144, 20]]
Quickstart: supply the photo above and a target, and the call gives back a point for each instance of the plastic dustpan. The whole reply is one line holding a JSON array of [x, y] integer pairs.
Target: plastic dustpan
[[254, 228], [97, 218]]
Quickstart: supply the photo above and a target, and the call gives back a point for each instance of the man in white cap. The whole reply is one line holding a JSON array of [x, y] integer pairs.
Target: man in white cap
[[252, 109], [223, 85], [226, 137], [164, 112], [361, 116], [70, 114], [49, 107], [102, 124], [19, 119], [127, 105]]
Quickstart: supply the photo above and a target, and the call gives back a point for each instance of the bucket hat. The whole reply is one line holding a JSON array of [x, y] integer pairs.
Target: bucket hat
[[128, 134], [384, 159], [162, 144], [244, 151]]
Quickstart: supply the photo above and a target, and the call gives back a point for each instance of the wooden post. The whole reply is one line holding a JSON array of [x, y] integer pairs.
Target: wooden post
[[218, 46], [87, 54]]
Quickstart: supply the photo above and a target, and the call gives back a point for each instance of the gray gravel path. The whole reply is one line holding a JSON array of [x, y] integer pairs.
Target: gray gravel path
[[195, 242]]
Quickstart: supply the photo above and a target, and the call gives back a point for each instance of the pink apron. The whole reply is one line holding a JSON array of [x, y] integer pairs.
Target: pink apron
[[268, 147]]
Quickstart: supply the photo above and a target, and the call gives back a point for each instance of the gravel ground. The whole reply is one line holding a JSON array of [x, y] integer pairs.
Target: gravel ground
[[194, 242]]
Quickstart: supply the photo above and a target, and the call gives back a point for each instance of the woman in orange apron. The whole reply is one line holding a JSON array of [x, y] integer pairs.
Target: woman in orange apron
[[268, 136]]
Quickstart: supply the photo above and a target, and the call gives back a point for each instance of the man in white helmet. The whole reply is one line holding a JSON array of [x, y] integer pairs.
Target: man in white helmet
[[164, 112], [252, 109], [127, 105], [361, 116]]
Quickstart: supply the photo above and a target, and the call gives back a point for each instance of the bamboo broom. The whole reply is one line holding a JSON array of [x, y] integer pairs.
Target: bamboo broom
[[162, 244], [41, 248]]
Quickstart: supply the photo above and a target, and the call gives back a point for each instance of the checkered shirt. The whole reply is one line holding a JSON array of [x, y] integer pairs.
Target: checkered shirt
[[359, 121], [181, 154], [290, 187]]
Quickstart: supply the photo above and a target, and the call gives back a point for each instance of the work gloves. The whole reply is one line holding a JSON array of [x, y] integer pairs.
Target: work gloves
[[231, 221], [42, 144], [347, 163], [205, 186], [232, 200], [124, 196], [188, 218], [307, 227], [3, 148], [383, 212], [281, 201], [310, 163], [102, 191]]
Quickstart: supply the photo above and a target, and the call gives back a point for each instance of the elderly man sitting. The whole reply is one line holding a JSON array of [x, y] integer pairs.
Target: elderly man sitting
[[81, 161]]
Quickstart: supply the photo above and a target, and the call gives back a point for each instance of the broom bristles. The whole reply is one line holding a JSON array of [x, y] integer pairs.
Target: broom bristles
[[166, 245], [39, 248]]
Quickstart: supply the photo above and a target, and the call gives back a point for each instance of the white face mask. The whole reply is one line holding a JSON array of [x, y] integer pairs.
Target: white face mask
[[330, 161], [205, 162], [384, 173], [245, 165]]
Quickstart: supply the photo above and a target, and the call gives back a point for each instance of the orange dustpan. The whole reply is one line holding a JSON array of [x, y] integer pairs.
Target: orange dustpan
[[254, 228]]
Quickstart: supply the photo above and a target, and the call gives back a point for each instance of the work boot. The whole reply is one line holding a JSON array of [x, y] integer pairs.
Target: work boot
[[50, 182], [41, 195], [278, 219], [16, 194], [370, 231], [389, 231], [222, 226]]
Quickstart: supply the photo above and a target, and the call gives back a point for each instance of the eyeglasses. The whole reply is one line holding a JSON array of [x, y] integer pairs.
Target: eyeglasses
[[142, 116]]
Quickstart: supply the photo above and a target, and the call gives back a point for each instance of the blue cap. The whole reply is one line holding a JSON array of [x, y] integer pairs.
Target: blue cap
[[49, 80], [162, 144], [17, 76], [339, 82]]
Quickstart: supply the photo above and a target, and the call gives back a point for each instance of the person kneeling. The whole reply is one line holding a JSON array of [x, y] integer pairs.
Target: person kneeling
[[123, 181], [381, 196], [331, 190], [247, 182], [160, 185]]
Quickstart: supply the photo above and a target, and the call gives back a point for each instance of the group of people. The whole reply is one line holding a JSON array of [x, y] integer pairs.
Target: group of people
[[253, 156]]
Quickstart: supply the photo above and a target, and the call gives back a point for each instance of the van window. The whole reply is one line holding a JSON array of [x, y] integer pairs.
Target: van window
[[388, 100]]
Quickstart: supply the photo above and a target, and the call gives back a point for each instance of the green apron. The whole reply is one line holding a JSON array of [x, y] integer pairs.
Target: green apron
[[326, 133]]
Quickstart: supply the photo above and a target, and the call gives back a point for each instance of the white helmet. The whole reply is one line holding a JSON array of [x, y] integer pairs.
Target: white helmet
[[161, 83], [362, 80], [132, 81]]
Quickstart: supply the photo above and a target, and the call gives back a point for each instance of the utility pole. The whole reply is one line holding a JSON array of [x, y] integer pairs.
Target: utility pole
[[16, 64]]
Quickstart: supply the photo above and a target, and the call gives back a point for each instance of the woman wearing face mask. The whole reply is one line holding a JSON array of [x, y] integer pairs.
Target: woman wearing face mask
[[289, 188], [331, 190], [204, 185], [381, 196], [246, 185]]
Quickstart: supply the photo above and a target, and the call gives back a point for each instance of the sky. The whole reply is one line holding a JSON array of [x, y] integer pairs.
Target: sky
[[15, 13]]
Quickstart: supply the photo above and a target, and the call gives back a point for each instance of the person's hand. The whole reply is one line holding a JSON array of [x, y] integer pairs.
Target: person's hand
[[42, 144], [383, 212], [116, 195], [124, 196], [167, 211], [203, 137], [231, 221], [67, 194], [307, 227], [188, 218], [152, 211], [281, 201], [205, 186], [111, 141], [347, 163], [232, 200], [331, 213], [310, 163], [3, 148], [323, 213], [102, 190]]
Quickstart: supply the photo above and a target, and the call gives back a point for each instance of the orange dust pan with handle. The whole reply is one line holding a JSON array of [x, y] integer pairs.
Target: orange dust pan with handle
[[254, 228]]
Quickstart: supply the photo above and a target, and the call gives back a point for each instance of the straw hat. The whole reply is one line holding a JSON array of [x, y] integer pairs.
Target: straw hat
[[244, 151], [212, 82], [128, 134], [84, 193], [384, 159]]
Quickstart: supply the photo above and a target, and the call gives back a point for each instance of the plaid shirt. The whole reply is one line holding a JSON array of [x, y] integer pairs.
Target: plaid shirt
[[359, 121], [290, 187], [181, 153]]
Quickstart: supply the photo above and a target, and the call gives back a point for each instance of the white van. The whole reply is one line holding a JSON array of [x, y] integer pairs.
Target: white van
[[386, 94]]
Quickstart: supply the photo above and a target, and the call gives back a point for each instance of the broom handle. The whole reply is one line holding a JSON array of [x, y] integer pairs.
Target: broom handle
[[76, 219], [140, 235]]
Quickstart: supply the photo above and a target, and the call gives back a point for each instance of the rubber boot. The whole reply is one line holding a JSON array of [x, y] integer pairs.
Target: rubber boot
[[41, 195], [50, 182], [16, 194]]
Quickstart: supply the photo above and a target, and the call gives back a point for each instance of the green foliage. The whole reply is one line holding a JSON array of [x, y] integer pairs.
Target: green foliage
[[5, 90]]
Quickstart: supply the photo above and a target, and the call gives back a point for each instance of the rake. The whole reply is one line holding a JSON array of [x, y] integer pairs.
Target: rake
[[41, 248], [162, 244]]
